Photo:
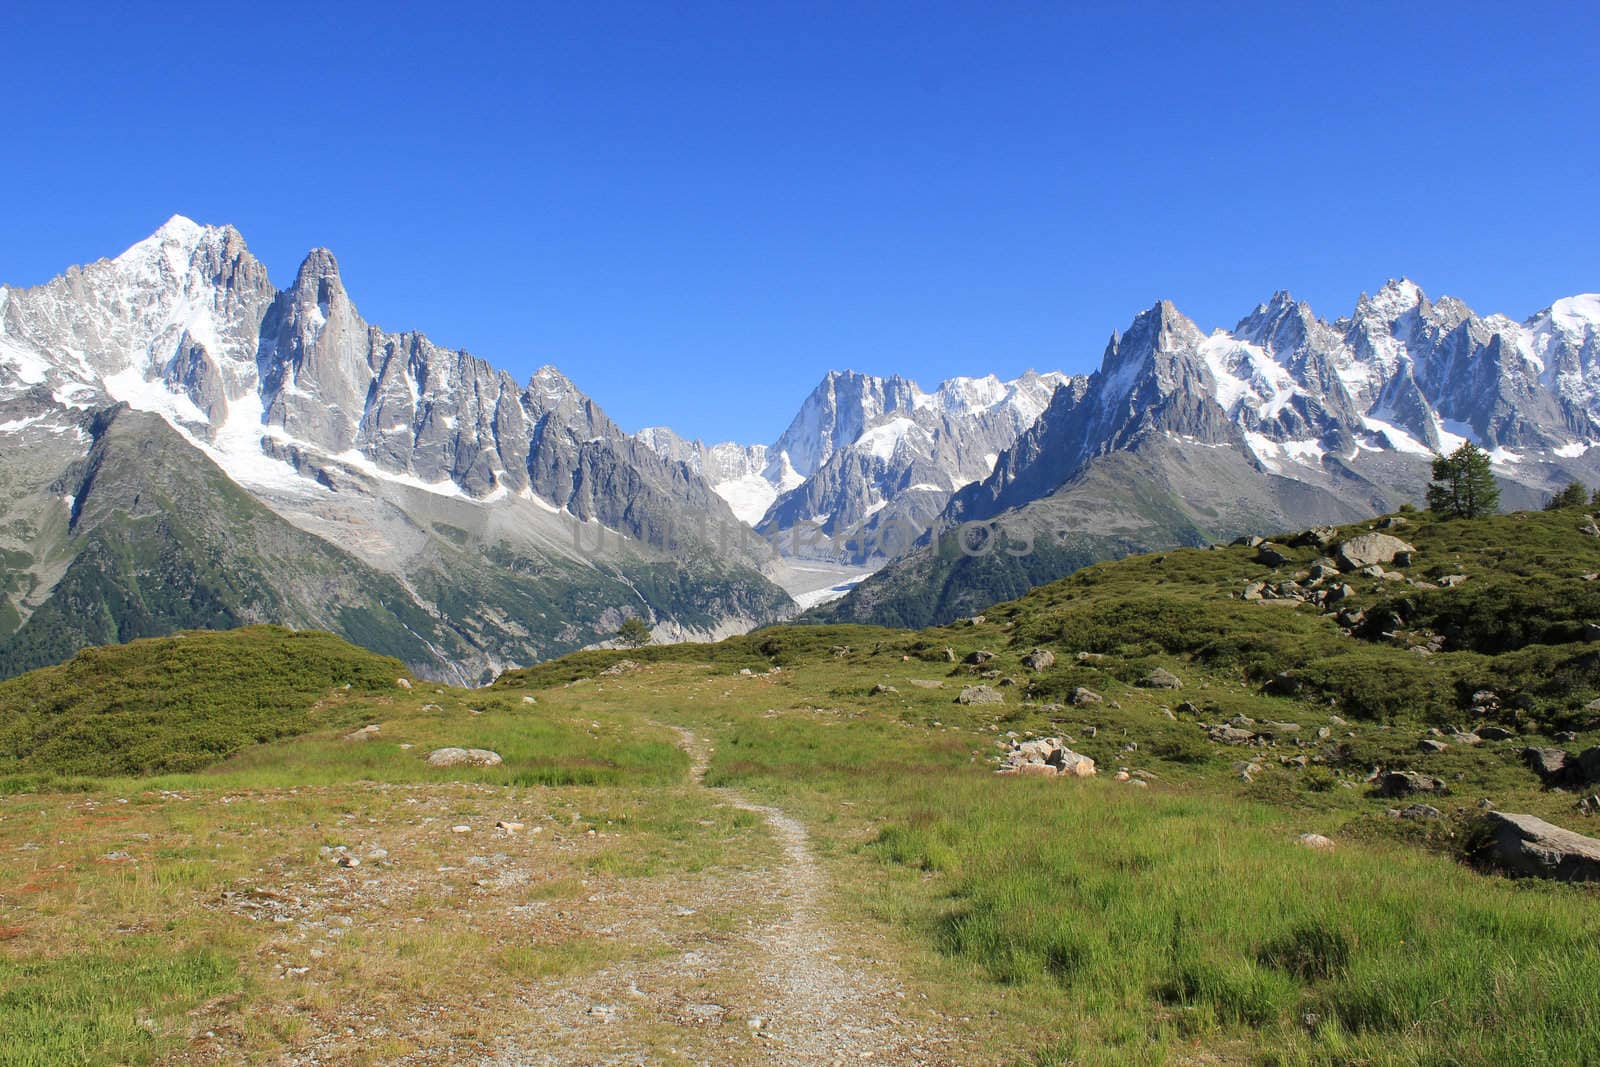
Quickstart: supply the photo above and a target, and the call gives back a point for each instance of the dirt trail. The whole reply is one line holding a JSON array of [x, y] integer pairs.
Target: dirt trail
[[782, 986]]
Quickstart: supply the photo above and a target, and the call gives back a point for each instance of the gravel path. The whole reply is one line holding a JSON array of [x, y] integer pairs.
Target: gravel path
[[782, 986]]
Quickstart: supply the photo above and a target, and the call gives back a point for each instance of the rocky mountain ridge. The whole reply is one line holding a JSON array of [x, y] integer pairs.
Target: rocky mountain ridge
[[1183, 437], [423, 463]]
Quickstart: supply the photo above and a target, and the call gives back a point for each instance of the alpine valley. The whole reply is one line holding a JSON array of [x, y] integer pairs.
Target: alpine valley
[[184, 445]]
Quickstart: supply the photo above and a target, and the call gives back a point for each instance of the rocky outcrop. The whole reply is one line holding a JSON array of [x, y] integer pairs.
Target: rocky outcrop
[[1527, 845], [1047, 756], [1370, 550]]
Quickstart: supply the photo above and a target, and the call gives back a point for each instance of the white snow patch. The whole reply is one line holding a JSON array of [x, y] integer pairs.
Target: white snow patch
[[1572, 451], [1398, 439], [834, 592], [748, 497], [1575, 314], [881, 441], [132, 388], [18, 425]]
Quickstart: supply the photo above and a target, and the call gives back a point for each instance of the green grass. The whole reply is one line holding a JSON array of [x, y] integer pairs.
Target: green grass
[[1079, 921], [122, 1006], [1192, 916], [177, 703]]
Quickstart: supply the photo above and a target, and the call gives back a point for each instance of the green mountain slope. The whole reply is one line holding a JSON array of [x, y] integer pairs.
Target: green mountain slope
[[178, 703], [160, 539]]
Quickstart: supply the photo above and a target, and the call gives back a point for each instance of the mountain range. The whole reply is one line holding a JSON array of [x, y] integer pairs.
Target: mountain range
[[1184, 437], [184, 444]]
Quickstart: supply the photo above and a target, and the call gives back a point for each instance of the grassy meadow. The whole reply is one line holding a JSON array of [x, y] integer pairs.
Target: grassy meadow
[[196, 910]]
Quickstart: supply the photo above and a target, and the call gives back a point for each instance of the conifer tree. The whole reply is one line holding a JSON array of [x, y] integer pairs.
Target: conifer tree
[[1463, 484]]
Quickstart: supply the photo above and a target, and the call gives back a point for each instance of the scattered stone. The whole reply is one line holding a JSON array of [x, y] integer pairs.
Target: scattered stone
[[1039, 659], [403, 683], [622, 666], [1369, 549], [1405, 783], [704, 1014], [1316, 537], [746, 672], [1419, 812], [1338, 594], [1248, 542], [979, 694], [1161, 678], [1554, 766], [1045, 756], [508, 826], [1271, 555], [348, 860], [1084, 697], [1428, 744], [461, 828], [463, 757], [978, 658], [926, 683], [882, 690], [1450, 581], [1390, 522], [1230, 735], [1466, 739], [1254, 591], [1090, 657], [530, 700], [1591, 631], [1495, 733], [366, 733], [950, 655], [1315, 841], [1528, 845]]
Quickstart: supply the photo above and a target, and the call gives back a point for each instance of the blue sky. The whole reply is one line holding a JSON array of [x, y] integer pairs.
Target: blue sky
[[695, 210]]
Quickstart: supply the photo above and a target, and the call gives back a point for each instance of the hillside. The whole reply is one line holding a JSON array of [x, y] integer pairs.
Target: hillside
[[179, 703], [792, 846]]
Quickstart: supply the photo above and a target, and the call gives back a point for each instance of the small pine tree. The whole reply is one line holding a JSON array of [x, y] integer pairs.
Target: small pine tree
[[1595, 503], [1463, 484], [1575, 495], [633, 632]]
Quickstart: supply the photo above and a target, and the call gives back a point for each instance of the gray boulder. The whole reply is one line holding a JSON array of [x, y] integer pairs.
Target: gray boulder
[[1161, 678], [1272, 555], [1525, 844], [1084, 697], [1405, 783], [1039, 659], [1369, 550], [1554, 766], [979, 694]]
